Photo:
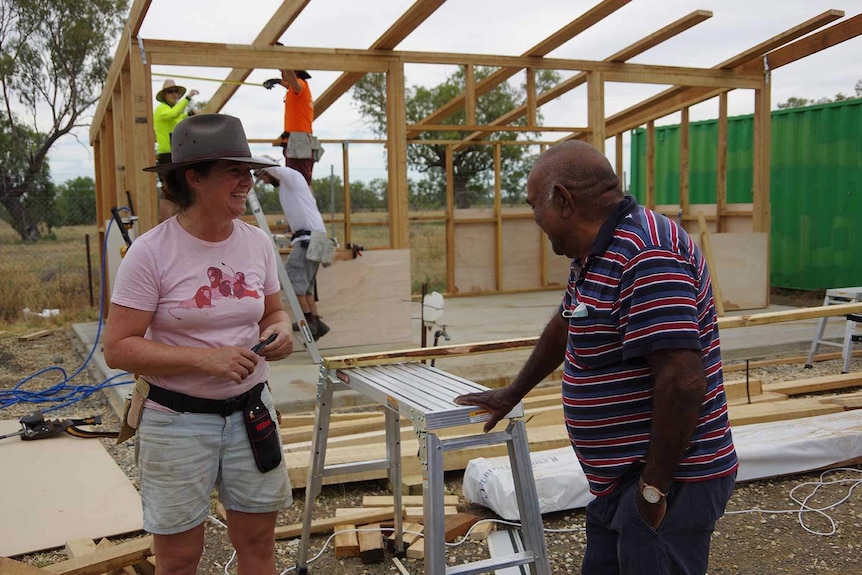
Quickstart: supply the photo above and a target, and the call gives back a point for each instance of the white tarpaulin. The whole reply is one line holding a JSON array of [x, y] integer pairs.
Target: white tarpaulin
[[764, 450]]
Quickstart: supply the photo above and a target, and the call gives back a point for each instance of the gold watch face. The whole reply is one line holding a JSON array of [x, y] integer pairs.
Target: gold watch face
[[651, 494]]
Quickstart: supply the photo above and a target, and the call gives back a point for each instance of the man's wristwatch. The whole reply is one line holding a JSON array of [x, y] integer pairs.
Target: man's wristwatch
[[650, 493]]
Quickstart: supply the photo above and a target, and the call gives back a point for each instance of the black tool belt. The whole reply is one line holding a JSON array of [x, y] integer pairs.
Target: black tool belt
[[299, 234], [181, 402]]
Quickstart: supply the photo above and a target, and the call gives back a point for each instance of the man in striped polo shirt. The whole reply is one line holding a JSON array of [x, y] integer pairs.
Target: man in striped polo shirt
[[643, 397]]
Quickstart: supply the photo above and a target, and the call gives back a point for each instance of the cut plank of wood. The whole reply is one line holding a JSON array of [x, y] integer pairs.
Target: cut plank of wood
[[815, 384], [12, 567], [417, 514], [738, 388], [847, 400], [221, 511], [400, 566], [79, 547], [346, 542], [35, 335], [480, 532], [127, 570], [760, 398], [410, 533], [417, 549], [106, 560], [800, 359], [326, 524], [779, 410], [371, 544], [457, 525], [406, 500], [147, 566]]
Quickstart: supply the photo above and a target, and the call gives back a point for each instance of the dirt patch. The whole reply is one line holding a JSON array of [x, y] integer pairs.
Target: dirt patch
[[770, 542]]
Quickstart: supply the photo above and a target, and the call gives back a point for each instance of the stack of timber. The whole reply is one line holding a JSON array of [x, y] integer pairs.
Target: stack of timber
[[750, 401], [86, 557]]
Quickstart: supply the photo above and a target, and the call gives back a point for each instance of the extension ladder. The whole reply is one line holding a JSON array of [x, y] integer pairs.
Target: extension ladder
[[833, 297], [424, 394], [286, 286]]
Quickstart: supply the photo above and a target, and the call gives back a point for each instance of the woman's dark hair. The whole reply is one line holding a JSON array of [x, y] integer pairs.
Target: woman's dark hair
[[178, 190]]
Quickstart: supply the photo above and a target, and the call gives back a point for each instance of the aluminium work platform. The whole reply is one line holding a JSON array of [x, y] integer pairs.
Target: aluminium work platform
[[425, 395]]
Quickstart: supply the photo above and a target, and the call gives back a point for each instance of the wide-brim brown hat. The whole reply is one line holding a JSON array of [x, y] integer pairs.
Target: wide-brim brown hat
[[169, 84], [209, 137]]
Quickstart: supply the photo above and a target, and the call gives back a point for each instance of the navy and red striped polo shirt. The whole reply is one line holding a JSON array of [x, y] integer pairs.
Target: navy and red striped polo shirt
[[644, 286]]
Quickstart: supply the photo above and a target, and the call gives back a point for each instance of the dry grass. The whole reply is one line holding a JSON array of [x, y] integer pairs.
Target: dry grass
[[50, 274]]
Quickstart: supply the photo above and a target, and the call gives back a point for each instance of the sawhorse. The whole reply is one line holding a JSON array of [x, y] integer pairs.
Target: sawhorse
[[833, 297], [424, 395]]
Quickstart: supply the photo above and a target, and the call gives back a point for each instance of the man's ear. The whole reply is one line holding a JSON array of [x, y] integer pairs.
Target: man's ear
[[563, 198]]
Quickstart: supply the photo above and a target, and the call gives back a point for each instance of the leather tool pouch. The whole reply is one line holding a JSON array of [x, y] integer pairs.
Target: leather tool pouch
[[133, 410], [263, 432]]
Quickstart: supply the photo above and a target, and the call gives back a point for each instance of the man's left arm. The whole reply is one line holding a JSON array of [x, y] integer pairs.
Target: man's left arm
[[678, 391]]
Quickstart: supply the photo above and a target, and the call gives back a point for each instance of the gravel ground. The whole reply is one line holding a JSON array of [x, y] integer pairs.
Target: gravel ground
[[746, 543]]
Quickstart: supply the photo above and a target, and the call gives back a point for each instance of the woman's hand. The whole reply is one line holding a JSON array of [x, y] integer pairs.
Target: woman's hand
[[283, 344], [233, 363]]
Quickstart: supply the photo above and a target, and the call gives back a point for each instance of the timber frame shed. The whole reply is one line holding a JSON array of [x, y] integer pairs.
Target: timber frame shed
[[122, 129]]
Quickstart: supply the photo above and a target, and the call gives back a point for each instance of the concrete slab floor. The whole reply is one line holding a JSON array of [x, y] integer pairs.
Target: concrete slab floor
[[481, 319]]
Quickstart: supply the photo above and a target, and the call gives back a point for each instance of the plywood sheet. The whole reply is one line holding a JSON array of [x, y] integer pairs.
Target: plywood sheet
[[366, 301], [474, 258], [521, 259], [61, 488], [742, 268], [556, 267]]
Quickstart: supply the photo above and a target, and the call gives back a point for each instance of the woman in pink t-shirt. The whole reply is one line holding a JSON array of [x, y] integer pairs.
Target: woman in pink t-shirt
[[191, 298]]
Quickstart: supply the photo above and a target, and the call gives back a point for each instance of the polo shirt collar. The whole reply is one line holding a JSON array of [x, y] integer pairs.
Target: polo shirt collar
[[606, 233]]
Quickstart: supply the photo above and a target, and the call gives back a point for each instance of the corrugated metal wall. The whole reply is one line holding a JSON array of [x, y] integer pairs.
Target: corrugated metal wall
[[816, 186]]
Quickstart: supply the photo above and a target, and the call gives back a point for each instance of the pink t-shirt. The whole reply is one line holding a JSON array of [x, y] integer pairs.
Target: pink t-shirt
[[203, 294]]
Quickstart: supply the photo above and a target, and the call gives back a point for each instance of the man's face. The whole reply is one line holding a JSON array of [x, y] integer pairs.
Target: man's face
[[547, 214]]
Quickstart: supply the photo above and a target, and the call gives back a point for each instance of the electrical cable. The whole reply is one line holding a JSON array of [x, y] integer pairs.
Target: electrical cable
[[62, 391], [804, 508]]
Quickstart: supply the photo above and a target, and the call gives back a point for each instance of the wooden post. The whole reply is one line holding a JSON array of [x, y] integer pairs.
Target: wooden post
[[684, 165], [532, 116], [721, 164], [649, 195], [596, 109], [450, 220], [706, 248], [470, 94], [142, 185], [498, 215], [762, 141], [346, 172], [396, 121]]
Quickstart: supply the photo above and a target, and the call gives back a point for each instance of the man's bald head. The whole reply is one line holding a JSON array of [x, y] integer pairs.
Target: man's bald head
[[584, 172]]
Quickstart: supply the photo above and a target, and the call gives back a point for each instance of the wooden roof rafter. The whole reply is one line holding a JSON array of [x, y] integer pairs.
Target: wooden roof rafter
[[552, 42], [750, 61], [409, 21], [630, 51], [271, 32]]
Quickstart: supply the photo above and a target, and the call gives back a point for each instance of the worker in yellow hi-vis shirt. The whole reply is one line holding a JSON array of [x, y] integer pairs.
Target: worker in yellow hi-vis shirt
[[173, 108]]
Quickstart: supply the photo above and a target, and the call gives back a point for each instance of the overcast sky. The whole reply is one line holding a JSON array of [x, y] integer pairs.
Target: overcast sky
[[509, 27]]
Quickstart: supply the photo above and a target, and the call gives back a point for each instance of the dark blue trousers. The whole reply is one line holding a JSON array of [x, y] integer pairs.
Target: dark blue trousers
[[619, 542]]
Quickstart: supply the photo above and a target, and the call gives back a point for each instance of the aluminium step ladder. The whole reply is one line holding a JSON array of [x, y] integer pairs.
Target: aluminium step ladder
[[424, 394], [833, 297]]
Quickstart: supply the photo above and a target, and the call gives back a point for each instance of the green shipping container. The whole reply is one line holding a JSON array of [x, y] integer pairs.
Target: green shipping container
[[815, 192]]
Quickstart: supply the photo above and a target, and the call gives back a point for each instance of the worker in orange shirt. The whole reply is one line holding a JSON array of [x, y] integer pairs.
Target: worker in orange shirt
[[301, 148]]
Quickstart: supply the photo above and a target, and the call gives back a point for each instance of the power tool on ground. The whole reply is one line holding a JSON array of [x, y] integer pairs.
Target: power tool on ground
[[35, 426]]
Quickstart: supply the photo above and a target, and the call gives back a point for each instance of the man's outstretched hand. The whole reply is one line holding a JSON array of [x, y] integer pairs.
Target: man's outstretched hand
[[268, 84], [498, 402]]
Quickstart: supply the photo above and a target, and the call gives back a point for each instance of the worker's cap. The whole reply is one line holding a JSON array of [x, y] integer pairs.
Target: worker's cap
[[206, 138], [167, 86], [302, 74]]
